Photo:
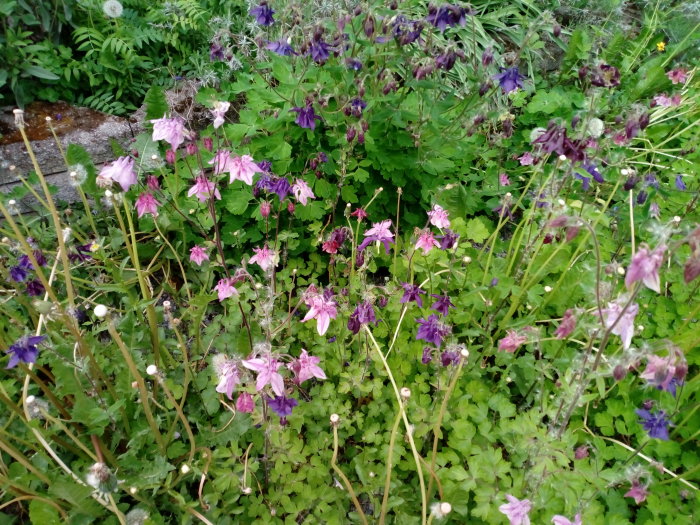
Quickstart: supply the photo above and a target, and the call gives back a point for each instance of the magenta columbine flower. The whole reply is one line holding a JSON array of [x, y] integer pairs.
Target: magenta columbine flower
[[322, 309], [121, 171], [218, 112], [379, 232], [442, 305], [152, 183], [567, 325], [204, 188], [426, 242], [625, 326], [227, 372], [438, 217], [655, 423], [306, 117], [171, 130], [306, 367], [510, 79], [24, 350], [645, 267], [563, 520], [359, 214], [678, 75], [516, 510], [302, 192], [264, 257], [245, 403], [263, 14], [242, 168], [412, 292], [198, 255], [503, 179], [432, 330], [225, 288], [146, 203], [637, 491], [266, 369], [511, 342]]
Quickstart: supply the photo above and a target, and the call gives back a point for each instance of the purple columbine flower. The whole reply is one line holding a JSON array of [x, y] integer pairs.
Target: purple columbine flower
[[680, 185], [412, 292], [432, 330], [406, 31], [363, 314], [554, 140], [280, 186], [446, 16], [35, 288], [593, 171], [605, 76], [446, 60], [320, 51], [427, 356], [18, 274], [449, 240], [655, 423], [281, 47], [306, 117], [509, 79], [449, 358], [24, 350], [216, 52], [282, 406], [353, 63], [357, 105], [263, 14], [586, 181], [442, 305]]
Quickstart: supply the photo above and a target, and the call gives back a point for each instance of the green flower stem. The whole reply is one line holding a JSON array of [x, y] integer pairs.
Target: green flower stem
[[177, 258], [19, 457], [342, 476], [387, 479], [409, 430], [143, 393], [181, 415]]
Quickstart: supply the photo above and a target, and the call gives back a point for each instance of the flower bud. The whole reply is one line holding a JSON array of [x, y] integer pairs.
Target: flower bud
[[170, 156], [619, 372], [100, 311], [208, 143]]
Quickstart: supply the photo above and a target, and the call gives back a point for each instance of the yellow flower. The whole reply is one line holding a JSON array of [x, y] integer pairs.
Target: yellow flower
[[661, 46]]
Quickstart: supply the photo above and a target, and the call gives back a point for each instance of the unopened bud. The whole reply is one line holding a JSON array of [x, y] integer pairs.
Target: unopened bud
[[151, 370], [335, 419], [100, 311], [185, 468], [405, 393]]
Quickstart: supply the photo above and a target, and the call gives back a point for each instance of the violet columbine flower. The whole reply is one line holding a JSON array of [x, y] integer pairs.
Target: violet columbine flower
[[263, 14], [379, 232], [306, 367], [405, 31], [593, 171], [266, 368], [645, 267], [449, 358], [625, 326], [280, 186], [171, 130], [264, 257], [449, 240], [509, 79], [446, 16], [227, 372], [439, 217], [432, 330], [35, 288], [281, 47], [680, 185], [302, 192], [567, 325], [412, 292], [655, 423], [427, 356], [511, 342], [363, 314], [563, 520], [245, 403], [24, 350], [426, 242], [320, 51], [225, 288], [121, 171], [637, 491], [353, 63], [306, 117], [220, 109], [282, 406], [203, 188], [198, 255], [442, 305], [216, 52], [146, 203], [446, 60], [18, 274], [678, 75], [605, 76], [322, 309], [516, 510]]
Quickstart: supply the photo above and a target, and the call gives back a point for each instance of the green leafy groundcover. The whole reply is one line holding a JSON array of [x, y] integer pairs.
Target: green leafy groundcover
[[411, 273]]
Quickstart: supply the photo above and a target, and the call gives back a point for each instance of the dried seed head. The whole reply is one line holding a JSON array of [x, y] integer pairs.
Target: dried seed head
[[335, 419]]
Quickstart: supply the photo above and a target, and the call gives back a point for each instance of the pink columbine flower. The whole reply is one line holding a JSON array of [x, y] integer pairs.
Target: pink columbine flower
[[302, 192], [678, 75], [637, 491], [121, 171], [225, 288], [152, 182], [264, 257], [146, 203], [266, 369], [660, 371], [359, 213], [645, 267], [511, 342], [526, 159], [204, 188], [439, 217], [562, 520], [567, 325], [516, 510], [171, 130], [228, 377], [306, 367], [198, 255], [243, 168], [503, 180], [245, 403], [220, 109], [625, 326], [665, 101], [221, 161], [321, 309], [426, 242], [265, 209]]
